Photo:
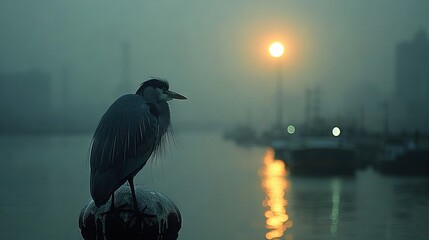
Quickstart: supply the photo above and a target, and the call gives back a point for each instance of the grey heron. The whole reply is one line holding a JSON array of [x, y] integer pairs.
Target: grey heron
[[128, 133]]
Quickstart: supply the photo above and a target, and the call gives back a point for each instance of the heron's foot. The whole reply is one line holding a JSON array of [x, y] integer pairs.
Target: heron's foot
[[110, 211], [141, 213], [113, 209], [146, 215], [135, 221], [137, 218]]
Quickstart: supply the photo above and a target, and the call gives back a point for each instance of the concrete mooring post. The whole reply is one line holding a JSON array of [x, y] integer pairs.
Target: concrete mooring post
[[158, 217]]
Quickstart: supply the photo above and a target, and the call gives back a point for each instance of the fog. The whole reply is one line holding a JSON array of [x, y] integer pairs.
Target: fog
[[214, 52], [351, 116]]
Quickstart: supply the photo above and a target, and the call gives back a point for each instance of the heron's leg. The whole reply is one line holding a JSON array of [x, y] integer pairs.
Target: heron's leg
[[112, 202], [131, 182]]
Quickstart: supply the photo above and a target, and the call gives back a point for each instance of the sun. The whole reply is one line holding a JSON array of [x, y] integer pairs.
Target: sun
[[276, 49]]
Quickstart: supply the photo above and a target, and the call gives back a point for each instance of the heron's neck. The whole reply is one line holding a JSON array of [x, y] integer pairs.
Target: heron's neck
[[163, 116]]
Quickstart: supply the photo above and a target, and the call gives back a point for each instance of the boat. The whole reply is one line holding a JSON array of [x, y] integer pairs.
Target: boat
[[323, 156], [403, 157], [317, 156]]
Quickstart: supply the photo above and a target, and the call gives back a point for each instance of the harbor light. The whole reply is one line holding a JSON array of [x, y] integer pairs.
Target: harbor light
[[336, 131], [291, 129], [276, 49]]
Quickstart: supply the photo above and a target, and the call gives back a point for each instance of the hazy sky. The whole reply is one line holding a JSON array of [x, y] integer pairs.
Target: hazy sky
[[215, 52]]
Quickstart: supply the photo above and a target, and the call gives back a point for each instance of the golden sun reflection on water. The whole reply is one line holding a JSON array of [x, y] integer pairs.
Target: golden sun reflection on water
[[275, 184]]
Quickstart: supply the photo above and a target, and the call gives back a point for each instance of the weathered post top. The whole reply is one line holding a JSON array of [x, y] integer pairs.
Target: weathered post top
[[158, 217]]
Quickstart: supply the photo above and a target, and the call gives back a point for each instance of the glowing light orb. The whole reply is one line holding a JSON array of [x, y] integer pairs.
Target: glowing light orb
[[276, 49], [291, 129], [336, 131]]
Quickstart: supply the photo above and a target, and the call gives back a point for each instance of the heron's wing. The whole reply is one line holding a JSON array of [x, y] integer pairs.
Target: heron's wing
[[122, 144]]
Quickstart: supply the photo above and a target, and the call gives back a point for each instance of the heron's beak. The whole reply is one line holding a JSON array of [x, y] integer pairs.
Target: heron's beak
[[175, 95]]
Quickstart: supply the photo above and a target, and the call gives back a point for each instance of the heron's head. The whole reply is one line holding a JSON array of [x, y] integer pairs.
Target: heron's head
[[157, 90]]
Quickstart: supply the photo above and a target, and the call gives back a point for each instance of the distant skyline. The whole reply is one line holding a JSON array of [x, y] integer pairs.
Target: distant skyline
[[215, 52], [412, 83]]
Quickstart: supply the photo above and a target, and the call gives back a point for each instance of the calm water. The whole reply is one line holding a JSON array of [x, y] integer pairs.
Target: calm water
[[223, 192]]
